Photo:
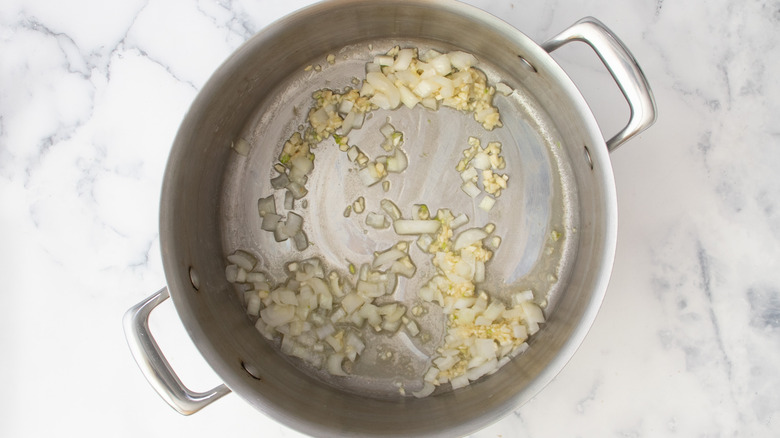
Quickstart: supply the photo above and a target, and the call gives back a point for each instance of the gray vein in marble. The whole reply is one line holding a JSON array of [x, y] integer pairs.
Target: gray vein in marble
[[66, 45], [704, 269], [245, 25], [590, 397]]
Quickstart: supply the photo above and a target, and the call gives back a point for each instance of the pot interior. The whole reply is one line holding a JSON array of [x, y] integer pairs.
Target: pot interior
[[263, 92]]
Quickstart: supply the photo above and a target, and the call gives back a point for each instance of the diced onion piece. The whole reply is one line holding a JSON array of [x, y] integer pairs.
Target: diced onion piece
[[231, 273], [277, 314], [334, 364], [280, 181], [504, 89], [441, 64], [370, 290], [293, 224], [375, 220], [371, 314], [470, 189], [383, 85], [404, 267], [424, 242], [469, 174], [459, 382], [481, 161], [403, 59], [479, 272], [425, 88], [387, 130], [532, 312], [384, 259], [390, 208], [300, 166], [297, 189], [398, 162], [485, 368], [487, 203], [412, 328], [408, 98], [266, 205], [430, 103], [468, 238], [357, 123], [416, 226], [301, 240], [459, 220], [426, 390], [243, 259], [462, 60], [383, 60], [369, 175], [289, 200], [352, 302], [520, 297], [486, 348]]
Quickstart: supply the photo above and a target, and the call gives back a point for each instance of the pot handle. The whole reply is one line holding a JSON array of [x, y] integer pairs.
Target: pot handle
[[624, 70], [153, 364]]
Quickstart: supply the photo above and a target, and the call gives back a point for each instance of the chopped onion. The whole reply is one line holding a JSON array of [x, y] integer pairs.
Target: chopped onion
[[369, 175], [398, 162], [289, 200], [403, 59], [462, 60], [293, 224], [383, 85], [387, 130], [504, 89], [468, 238], [334, 364], [243, 259], [469, 174], [441, 64], [231, 273], [404, 267], [270, 222], [459, 220], [277, 314], [280, 181], [298, 190], [408, 98], [266, 205], [426, 390], [385, 259], [390, 208], [352, 302], [377, 221], [487, 203], [416, 226], [487, 367], [301, 240], [481, 161], [424, 241], [459, 382], [470, 189]]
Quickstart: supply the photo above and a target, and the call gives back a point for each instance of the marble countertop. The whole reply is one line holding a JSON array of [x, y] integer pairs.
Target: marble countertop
[[687, 342]]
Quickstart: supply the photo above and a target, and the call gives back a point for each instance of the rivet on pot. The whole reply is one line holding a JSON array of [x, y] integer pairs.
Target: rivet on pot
[[527, 65], [251, 370], [587, 157], [194, 279]]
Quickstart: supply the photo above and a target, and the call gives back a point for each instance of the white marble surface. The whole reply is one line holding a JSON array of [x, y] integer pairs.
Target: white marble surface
[[688, 339]]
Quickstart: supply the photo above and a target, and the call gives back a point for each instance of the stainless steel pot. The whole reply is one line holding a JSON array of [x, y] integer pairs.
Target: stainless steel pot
[[204, 212]]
